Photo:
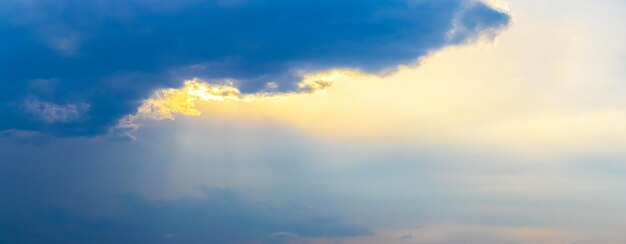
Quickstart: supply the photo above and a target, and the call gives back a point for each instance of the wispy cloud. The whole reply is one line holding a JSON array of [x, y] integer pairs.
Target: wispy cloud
[[54, 113]]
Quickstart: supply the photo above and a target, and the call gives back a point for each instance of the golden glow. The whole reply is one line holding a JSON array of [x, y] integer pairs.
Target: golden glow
[[165, 103]]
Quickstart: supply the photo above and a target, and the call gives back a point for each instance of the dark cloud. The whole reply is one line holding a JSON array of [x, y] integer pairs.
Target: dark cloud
[[73, 67], [221, 216]]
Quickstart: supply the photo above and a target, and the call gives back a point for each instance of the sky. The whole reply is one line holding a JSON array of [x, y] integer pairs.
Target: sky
[[274, 121]]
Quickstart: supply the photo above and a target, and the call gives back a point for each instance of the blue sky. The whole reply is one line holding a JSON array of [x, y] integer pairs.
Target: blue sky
[[257, 121]]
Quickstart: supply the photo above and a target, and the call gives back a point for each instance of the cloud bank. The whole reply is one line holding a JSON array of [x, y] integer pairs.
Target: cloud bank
[[221, 216], [89, 63]]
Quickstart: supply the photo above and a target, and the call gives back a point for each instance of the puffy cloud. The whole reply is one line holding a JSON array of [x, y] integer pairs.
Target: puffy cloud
[[113, 54]]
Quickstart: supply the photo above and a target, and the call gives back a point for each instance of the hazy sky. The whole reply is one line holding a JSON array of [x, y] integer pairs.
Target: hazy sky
[[274, 121]]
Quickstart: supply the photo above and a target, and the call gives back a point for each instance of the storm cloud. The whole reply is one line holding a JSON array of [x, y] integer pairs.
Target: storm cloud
[[74, 67]]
